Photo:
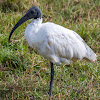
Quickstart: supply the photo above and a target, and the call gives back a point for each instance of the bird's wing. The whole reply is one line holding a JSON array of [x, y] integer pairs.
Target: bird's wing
[[89, 52], [66, 43]]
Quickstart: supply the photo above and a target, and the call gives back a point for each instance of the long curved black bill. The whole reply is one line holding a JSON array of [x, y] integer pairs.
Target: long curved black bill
[[22, 20]]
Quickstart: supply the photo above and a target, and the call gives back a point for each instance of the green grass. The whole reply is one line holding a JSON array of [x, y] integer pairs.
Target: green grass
[[26, 75]]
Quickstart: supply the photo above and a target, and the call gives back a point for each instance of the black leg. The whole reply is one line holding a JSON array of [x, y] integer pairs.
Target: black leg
[[52, 76]]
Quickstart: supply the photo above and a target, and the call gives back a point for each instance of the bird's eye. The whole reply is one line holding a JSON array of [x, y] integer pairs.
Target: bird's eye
[[32, 11]]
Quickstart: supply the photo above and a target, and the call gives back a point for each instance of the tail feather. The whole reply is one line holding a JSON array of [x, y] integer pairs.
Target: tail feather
[[90, 54]]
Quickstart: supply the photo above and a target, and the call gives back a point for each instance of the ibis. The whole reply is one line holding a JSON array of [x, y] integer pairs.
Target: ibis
[[53, 42]]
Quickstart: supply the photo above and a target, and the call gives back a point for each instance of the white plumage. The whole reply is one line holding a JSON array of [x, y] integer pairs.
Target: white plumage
[[53, 42], [56, 43]]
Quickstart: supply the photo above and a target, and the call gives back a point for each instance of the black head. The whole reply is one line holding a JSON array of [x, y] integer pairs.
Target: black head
[[33, 12]]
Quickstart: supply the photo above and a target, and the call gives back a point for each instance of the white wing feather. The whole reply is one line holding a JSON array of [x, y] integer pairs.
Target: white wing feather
[[58, 44]]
